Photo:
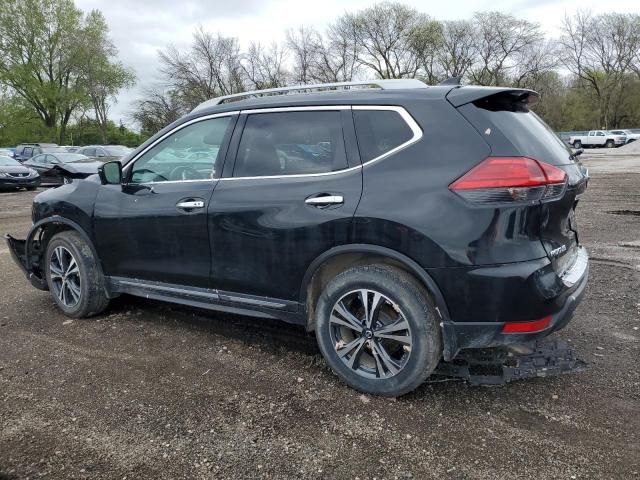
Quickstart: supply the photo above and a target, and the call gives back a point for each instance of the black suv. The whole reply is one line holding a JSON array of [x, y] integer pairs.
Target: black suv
[[401, 223]]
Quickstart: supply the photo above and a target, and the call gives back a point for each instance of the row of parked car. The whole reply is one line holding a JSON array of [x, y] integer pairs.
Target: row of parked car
[[604, 138], [31, 164]]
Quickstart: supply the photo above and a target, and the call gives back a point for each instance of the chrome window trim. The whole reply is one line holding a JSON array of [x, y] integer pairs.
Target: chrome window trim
[[411, 123], [406, 116], [303, 108], [131, 162]]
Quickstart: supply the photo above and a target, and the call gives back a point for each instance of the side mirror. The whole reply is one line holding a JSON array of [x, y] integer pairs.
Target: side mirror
[[578, 152], [110, 173]]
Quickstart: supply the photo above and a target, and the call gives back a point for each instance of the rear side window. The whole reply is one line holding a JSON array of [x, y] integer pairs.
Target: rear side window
[[531, 136], [291, 143], [379, 131]]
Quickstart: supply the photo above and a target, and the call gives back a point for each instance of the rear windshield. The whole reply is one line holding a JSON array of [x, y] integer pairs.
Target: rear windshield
[[526, 131]]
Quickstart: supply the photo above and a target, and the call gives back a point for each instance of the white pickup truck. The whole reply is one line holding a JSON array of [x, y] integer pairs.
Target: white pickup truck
[[598, 138]]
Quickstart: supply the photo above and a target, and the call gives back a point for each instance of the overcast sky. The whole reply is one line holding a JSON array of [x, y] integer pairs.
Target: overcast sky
[[140, 28]]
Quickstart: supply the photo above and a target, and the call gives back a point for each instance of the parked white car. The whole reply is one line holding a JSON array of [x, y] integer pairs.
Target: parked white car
[[598, 138], [631, 137]]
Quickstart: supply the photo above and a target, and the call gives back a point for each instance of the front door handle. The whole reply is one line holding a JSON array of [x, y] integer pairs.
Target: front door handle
[[189, 204], [325, 200]]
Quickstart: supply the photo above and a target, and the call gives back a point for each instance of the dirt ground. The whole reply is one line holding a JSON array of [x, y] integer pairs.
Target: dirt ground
[[150, 390]]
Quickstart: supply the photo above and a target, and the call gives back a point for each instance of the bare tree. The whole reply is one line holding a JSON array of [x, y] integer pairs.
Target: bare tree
[[457, 48], [501, 40], [336, 58], [158, 108], [533, 63], [210, 68], [426, 41], [384, 36], [303, 44], [264, 68]]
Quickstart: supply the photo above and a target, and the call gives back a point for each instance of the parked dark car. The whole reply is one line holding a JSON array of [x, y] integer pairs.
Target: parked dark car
[[14, 175], [105, 153], [25, 151], [400, 223], [63, 167]]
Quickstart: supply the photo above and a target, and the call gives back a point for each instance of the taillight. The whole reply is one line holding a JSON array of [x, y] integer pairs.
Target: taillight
[[510, 179]]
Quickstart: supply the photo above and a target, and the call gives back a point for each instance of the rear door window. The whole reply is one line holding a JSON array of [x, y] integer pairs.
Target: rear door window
[[291, 143], [379, 132]]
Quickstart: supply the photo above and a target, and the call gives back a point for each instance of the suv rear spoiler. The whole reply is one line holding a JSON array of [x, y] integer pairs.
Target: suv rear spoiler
[[463, 95]]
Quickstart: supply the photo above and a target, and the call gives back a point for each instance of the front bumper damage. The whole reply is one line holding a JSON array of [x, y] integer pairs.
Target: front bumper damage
[[27, 257], [501, 365]]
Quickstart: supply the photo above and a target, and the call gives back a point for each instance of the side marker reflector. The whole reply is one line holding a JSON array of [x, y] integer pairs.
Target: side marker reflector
[[527, 327]]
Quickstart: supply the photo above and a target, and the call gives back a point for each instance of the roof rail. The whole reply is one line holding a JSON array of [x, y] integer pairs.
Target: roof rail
[[394, 84]]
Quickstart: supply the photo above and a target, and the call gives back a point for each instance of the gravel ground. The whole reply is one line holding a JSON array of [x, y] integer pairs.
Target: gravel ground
[[149, 390]]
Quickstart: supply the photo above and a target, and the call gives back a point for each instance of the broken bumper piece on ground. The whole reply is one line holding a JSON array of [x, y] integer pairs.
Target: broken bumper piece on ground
[[498, 366]]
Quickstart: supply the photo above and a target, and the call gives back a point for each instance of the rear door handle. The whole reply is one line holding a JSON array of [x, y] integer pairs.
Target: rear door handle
[[188, 204], [325, 200]]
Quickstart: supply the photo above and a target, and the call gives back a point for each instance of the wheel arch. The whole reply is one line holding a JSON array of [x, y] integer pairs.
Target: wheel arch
[[338, 259], [43, 230]]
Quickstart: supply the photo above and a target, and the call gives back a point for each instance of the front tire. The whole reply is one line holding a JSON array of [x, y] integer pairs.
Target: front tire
[[73, 276], [378, 331], [609, 144]]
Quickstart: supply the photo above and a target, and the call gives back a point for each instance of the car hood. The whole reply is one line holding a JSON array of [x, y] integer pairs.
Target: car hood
[[14, 169], [80, 167]]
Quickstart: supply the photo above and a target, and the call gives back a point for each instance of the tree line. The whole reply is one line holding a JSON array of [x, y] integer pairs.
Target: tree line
[[59, 67], [589, 76]]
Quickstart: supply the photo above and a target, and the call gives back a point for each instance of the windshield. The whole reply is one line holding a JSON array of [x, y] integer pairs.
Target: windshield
[[117, 151], [8, 162], [72, 157]]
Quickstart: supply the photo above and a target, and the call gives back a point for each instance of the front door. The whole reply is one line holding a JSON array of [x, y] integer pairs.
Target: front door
[[289, 197], [154, 225]]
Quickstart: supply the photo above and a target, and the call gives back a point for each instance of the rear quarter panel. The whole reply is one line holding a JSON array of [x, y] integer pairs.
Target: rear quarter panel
[[407, 206]]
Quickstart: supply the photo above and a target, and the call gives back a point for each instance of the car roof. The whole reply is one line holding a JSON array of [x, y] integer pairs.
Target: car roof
[[344, 97]]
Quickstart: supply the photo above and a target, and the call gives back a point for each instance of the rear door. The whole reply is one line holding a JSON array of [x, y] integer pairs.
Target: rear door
[[289, 196], [154, 226], [517, 131]]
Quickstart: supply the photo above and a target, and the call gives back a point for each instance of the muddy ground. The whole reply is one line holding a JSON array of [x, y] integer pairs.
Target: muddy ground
[[149, 390]]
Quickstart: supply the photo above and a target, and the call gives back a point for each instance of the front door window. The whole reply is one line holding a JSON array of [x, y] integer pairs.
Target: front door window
[[191, 153]]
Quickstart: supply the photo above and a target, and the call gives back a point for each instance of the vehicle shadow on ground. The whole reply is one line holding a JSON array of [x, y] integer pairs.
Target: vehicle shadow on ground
[[270, 335], [277, 337]]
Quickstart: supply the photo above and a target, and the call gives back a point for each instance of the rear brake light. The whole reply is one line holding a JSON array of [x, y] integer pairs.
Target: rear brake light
[[509, 179], [527, 327]]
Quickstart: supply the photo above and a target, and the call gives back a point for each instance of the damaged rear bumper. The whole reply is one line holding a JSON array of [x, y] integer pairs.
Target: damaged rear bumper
[[497, 366], [26, 259]]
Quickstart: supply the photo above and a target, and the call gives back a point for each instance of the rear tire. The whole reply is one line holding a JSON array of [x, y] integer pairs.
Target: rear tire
[[399, 343], [73, 276], [577, 144]]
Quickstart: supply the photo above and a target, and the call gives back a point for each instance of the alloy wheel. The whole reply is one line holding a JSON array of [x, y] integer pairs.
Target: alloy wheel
[[370, 334], [65, 277]]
